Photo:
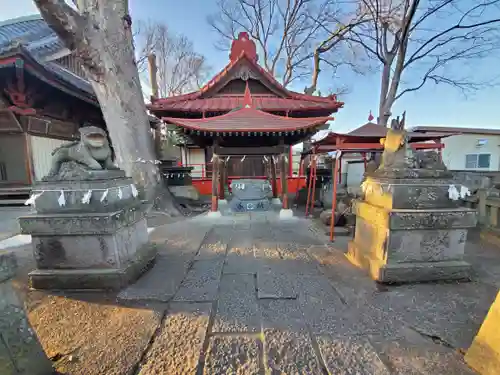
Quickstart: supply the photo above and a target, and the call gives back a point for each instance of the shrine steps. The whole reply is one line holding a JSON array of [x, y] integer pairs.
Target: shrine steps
[[14, 195]]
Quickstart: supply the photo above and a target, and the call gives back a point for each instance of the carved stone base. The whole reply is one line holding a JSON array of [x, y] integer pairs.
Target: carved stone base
[[95, 278], [238, 205], [408, 272], [409, 245], [88, 251]]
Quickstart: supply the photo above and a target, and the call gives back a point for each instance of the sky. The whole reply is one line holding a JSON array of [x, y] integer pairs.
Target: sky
[[432, 105]]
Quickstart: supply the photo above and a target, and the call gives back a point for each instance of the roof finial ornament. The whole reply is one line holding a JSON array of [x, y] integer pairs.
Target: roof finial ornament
[[243, 45], [247, 99], [370, 117]]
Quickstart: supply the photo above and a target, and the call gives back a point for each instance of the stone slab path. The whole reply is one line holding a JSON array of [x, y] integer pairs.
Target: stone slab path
[[249, 294]]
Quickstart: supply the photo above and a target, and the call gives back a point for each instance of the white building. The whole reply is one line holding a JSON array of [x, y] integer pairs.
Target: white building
[[469, 149]]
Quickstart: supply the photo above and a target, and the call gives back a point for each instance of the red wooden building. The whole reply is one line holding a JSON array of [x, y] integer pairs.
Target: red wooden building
[[244, 117]]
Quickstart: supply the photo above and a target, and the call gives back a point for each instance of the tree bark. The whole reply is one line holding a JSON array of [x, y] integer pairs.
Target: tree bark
[[100, 35]]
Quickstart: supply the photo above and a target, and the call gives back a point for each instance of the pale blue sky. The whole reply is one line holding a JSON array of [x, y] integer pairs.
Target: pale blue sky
[[433, 105]]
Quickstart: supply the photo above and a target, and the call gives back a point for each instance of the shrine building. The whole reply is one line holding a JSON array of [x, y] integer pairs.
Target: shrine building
[[243, 122], [44, 100]]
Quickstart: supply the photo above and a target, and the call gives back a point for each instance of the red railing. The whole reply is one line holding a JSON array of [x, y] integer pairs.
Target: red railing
[[202, 175], [200, 170]]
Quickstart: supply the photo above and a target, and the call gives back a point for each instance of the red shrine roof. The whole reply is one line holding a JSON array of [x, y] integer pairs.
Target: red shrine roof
[[371, 133], [248, 119], [243, 65]]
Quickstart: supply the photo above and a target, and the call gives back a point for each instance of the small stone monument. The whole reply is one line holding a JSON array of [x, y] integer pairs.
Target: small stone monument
[[410, 226], [20, 350], [250, 195], [89, 230]]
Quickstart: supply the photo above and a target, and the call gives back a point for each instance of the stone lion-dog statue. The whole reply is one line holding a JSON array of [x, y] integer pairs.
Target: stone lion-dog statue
[[91, 151]]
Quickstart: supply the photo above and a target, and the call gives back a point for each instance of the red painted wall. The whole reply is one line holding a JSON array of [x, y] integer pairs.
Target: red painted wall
[[204, 185]]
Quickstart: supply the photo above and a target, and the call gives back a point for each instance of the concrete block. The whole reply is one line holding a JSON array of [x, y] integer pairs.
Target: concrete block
[[484, 353], [214, 214], [20, 351], [8, 265], [286, 214], [188, 192], [95, 278]]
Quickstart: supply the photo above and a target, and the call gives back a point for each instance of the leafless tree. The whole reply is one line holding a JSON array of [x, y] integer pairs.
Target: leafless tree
[[100, 34], [285, 31], [336, 44], [179, 68], [437, 40]]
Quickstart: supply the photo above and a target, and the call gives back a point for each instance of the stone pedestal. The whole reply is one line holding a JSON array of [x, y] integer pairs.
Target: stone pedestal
[[20, 350], [102, 244], [250, 195], [407, 229], [286, 214]]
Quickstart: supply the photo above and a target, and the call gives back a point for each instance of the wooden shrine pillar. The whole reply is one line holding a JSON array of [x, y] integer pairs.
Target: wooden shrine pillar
[[222, 178], [335, 181], [284, 181], [215, 184], [272, 167]]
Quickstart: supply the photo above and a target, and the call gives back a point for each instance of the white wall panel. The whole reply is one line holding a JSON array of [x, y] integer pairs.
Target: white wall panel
[[41, 151]]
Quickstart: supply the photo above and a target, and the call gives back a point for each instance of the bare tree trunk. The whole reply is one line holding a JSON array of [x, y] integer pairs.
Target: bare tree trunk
[[384, 110], [100, 34]]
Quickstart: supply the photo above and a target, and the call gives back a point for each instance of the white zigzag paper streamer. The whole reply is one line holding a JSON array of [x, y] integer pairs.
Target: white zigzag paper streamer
[[62, 199], [135, 193], [31, 200], [86, 198], [104, 195]]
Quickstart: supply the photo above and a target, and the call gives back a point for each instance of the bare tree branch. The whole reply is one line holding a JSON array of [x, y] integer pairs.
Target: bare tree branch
[[429, 35], [284, 31], [180, 68], [66, 21]]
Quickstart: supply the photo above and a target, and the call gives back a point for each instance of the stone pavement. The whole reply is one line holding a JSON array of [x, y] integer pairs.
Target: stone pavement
[[249, 294]]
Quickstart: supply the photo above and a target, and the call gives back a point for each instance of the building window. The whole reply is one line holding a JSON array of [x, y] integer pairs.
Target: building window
[[473, 161]]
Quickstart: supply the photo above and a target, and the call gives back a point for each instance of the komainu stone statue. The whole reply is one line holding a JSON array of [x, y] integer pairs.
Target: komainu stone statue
[[396, 153], [89, 231], [430, 160], [408, 229], [92, 152]]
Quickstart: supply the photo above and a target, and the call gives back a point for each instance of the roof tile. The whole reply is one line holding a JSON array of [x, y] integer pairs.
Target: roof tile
[[247, 119]]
